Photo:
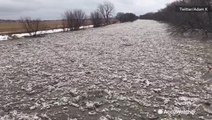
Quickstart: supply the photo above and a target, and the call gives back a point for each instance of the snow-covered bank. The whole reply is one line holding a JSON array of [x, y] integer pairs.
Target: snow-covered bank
[[21, 35]]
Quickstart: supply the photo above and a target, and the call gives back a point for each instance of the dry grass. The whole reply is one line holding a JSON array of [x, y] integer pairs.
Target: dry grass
[[16, 27], [13, 27]]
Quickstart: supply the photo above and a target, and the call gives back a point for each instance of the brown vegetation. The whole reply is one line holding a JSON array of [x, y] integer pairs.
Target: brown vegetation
[[74, 19], [32, 26], [96, 19], [13, 27], [10, 27]]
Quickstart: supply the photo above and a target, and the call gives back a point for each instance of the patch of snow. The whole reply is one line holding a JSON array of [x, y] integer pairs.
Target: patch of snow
[[85, 27], [4, 37]]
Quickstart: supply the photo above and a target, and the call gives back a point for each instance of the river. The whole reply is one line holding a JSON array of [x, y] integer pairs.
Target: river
[[127, 71]]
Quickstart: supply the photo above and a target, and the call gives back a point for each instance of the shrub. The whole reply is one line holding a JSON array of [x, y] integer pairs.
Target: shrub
[[126, 17], [31, 26], [74, 19]]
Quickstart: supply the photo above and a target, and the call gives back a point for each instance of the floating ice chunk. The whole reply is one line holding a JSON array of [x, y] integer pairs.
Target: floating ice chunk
[[64, 99], [74, 104], [146, 82], [103, 118], [32, 108], [72, 119], [183, 98], [92, 113], [45, 106], [160, 111], [74, 92], [117, 118], [90, 105], [157, 90]]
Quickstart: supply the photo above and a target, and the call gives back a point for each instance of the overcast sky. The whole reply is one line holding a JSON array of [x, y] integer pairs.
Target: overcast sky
[[53, 9]]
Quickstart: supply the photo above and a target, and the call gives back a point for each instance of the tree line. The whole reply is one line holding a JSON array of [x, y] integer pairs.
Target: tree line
[[126, 17], [74, 19], [184, 21]]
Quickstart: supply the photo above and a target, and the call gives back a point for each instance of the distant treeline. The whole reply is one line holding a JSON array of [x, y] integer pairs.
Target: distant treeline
[[4, 21], [126, 17], [184, 21]]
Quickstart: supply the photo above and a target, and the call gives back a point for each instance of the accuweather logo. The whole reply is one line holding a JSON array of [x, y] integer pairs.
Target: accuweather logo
[[177, 112], [193, 9]]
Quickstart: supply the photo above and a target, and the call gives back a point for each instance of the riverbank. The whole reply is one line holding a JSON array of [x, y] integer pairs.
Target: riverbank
[[43, 32]]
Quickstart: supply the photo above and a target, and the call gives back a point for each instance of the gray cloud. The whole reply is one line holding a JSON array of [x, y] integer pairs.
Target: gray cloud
[[53, 9]]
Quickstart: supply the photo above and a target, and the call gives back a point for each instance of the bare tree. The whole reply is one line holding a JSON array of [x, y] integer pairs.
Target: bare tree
[[75, 19], [69, 20], [96, 18], [80, 17], [31, 26], [107, 10]]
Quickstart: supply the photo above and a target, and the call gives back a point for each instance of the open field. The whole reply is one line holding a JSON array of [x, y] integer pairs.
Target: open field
[[16, 27], [12, 27], [130, 71]]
